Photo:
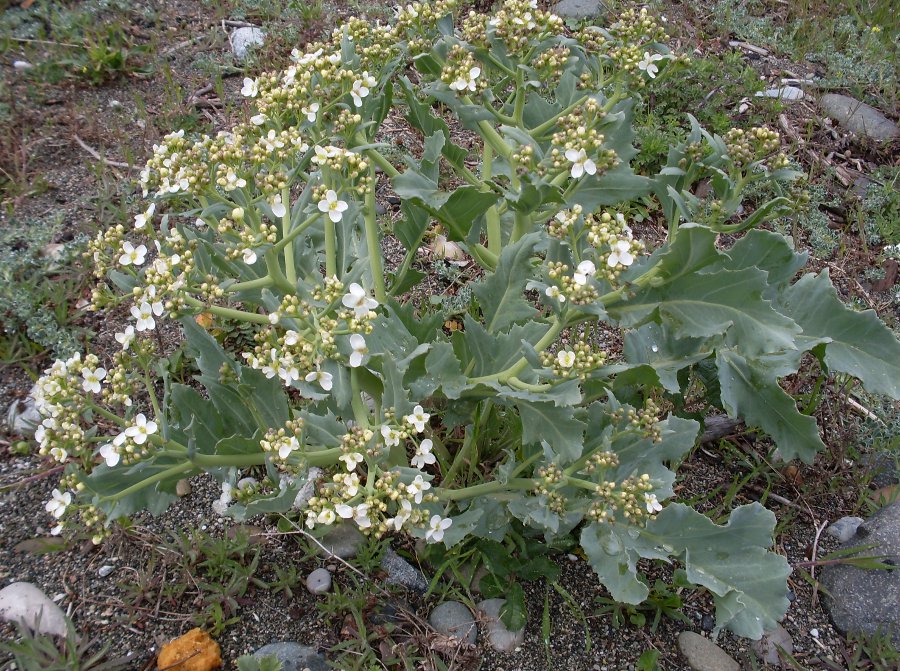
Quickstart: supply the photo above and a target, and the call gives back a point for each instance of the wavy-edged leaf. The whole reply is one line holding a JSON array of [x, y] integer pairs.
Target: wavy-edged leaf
[[724, 302], [751, 392], [732, 561], [557, 426], [858, 343], [652, 344], [483, 353], [501, 294]]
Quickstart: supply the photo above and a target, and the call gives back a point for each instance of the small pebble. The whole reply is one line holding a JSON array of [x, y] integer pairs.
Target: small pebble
[[106, 570], [319, 581], [707, 622], [814, 633]]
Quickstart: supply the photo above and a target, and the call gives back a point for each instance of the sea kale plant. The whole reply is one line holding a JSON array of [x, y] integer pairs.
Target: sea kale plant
[[352, 406]]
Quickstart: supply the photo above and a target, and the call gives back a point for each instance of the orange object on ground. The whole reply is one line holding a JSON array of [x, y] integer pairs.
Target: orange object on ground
[[195, 651]]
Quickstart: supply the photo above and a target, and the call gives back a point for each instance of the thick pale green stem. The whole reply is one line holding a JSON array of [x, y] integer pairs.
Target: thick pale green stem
[[330, 249], [273, 265], [537, 131], [176, 469], [360, 412], [494, 487], [290, 270], [228, 313], [258, 283], [289, 238], [519, 106], [382, 162], [492, 216], [373, 243]]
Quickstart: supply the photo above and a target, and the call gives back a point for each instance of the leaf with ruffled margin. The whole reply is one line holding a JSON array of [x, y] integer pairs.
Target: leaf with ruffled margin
[[750, 391], [501, 294], [857, 342], [483, 353], [724, 302], [732, 561], [653, 344], [554, 425]]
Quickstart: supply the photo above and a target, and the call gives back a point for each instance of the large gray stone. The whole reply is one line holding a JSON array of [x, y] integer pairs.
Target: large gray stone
[[577, 9], [864, 600], [293, 656], [24, 603], [856, 116], [454, 619], [244, 39], [500, 638], [403, 574], [704, 655], [767, 648], [342, 540], [22, 417]]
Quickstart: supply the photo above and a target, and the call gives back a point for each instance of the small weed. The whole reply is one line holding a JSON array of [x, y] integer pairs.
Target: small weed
[[663, 600], [40, 652]]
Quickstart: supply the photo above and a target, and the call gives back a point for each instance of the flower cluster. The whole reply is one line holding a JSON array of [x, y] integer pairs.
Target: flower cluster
[[520, 24], [747, 146], [631, 499], [460, 72], [577, 362], [577, 145]]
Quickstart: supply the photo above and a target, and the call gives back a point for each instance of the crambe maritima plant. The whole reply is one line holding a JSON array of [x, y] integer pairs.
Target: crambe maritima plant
[[355, 408]]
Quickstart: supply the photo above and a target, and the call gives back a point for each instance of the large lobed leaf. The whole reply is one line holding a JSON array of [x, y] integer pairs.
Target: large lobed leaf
[[501, 294], [857, 342], [747, 581], [750, 391]]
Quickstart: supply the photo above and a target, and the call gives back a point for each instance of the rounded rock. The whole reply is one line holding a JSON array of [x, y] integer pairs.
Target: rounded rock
[[23, 602], [500, 638], [454, 619], [704, 655], [319, 581], [293, 656]]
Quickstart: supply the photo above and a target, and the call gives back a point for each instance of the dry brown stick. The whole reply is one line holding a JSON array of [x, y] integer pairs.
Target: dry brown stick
[[93, 152], [812, 569]]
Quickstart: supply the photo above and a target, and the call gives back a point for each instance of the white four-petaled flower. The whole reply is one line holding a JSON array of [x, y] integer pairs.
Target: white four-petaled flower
[[310, 111], [278, 207], [391, 436], [357, 299], [358, 344], [361, 88], [565, 358], [57, 505], [334, 207], [92, 379], [653, 505], [249, 256], [648, 64], [325, 380], [436, 528], [417, 487], [144, 315], [126, 338], [110, 454], [132, 255], [621, 254], [580, 163], [554, 292], [423, 455], [250, 88], [144, 217], [584, 270], [141, 429], [418, 418], [351, 459], [467, 81], [288, 446]]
